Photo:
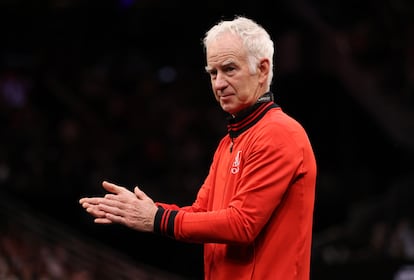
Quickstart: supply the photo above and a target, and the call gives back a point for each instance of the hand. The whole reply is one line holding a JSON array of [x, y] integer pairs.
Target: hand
[[132, 209]]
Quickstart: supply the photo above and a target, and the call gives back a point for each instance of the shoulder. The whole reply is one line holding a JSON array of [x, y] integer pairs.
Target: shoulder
[[279, 130], [276, 121]]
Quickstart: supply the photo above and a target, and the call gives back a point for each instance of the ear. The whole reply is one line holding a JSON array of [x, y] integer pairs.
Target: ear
[[264, 68]]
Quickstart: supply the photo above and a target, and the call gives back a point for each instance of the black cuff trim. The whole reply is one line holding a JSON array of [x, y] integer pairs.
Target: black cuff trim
[[164, 221], [157, 219], [170, 223]]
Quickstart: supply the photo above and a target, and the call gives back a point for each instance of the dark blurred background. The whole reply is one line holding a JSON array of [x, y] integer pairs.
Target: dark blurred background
[[116, 90]]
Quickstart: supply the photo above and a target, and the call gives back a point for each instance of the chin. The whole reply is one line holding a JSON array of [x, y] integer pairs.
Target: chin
[[226, 108], [231, 112]]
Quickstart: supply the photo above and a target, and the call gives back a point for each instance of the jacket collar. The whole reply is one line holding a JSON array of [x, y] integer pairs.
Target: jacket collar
[[247, 118]]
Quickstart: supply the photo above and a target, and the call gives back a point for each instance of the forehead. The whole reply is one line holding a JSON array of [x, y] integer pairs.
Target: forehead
[[226, 47]]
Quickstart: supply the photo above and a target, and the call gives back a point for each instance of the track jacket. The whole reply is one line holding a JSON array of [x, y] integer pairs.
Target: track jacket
[[254, 211]]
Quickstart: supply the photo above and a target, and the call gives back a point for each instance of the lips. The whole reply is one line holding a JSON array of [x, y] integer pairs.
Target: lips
[[225, 96]]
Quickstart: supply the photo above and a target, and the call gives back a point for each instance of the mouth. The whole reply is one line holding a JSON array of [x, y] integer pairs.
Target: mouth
[[225, 96]]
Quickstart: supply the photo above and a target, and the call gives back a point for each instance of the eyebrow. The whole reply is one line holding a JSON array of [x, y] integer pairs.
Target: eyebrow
[[224, 63]]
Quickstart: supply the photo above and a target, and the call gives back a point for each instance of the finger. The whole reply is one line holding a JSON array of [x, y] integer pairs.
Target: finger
[[112, 188], [116, 197], [94, 211], [85, 200], [140, 194], [115, 218], [102, 221], [91, 200], [86, 205], [111, 210]]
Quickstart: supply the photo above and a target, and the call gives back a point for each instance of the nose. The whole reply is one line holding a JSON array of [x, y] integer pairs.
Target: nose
[[219, 82]]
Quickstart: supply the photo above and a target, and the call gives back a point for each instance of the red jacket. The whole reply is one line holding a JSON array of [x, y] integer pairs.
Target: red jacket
[[254, 212]]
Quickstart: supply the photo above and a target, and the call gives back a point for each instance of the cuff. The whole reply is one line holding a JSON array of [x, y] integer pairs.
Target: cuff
[[164, 221]]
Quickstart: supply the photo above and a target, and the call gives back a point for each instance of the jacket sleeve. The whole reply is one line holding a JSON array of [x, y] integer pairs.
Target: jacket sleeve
[[167, 212], [199, 205], [272, 162]]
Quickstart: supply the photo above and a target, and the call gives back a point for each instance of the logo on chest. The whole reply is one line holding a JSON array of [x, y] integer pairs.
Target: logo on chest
[[236, 163]]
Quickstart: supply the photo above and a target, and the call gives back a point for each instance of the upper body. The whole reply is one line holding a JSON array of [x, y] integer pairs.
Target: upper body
[[254, 210]]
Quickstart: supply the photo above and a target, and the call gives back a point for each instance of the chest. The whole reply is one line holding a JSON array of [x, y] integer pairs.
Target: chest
[[229, 171]]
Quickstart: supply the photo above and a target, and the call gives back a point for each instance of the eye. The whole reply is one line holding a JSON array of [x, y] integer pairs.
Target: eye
[[229, 69], [212, 73]]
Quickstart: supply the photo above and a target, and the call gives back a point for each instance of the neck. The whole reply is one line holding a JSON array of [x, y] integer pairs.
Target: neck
[[267, 97]]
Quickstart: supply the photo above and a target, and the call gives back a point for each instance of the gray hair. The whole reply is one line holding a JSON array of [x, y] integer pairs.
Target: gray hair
[[255, 38]]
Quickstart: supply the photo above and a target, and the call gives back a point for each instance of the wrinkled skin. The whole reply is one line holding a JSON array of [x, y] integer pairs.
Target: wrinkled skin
[[132, 209]]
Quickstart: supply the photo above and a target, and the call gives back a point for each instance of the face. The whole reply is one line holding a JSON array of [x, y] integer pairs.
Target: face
[[233, 84]]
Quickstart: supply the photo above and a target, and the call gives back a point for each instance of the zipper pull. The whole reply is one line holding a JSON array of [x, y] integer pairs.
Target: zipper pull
[[231, 145]]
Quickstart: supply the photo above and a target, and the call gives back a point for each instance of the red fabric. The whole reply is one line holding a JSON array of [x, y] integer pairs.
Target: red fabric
[[254, 212]]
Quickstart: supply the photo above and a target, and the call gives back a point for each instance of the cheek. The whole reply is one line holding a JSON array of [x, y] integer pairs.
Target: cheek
[[244, 95], [246, 92]]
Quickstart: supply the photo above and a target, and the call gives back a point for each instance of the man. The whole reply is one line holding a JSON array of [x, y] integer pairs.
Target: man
[[254, 211]]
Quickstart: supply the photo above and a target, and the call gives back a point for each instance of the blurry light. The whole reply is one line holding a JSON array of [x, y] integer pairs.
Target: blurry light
[[405, 273]]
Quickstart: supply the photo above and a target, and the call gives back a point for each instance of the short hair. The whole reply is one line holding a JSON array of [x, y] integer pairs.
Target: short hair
[[255, 39]]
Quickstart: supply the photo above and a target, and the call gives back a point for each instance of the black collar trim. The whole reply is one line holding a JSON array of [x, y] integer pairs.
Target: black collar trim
[[246, 119]]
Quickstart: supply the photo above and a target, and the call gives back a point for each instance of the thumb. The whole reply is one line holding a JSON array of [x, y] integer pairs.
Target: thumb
[[140, 194]]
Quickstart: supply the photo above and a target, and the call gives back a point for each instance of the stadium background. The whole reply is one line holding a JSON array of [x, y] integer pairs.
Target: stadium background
[[116, 90]]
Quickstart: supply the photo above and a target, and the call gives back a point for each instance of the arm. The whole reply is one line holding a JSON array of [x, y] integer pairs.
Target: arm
[[200, 204], [272, 163], [132, 209]]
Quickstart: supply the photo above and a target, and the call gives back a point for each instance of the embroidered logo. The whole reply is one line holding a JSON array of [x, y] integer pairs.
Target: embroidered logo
[[235, 167]]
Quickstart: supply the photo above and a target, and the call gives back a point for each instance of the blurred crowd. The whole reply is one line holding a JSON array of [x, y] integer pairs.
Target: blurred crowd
[[87, 96], [35, 247]]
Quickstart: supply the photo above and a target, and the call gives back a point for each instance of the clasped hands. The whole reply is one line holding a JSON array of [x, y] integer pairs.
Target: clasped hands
[[133, 209]]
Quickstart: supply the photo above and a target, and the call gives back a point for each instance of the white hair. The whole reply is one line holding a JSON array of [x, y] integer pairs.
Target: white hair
[[255, 39]]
